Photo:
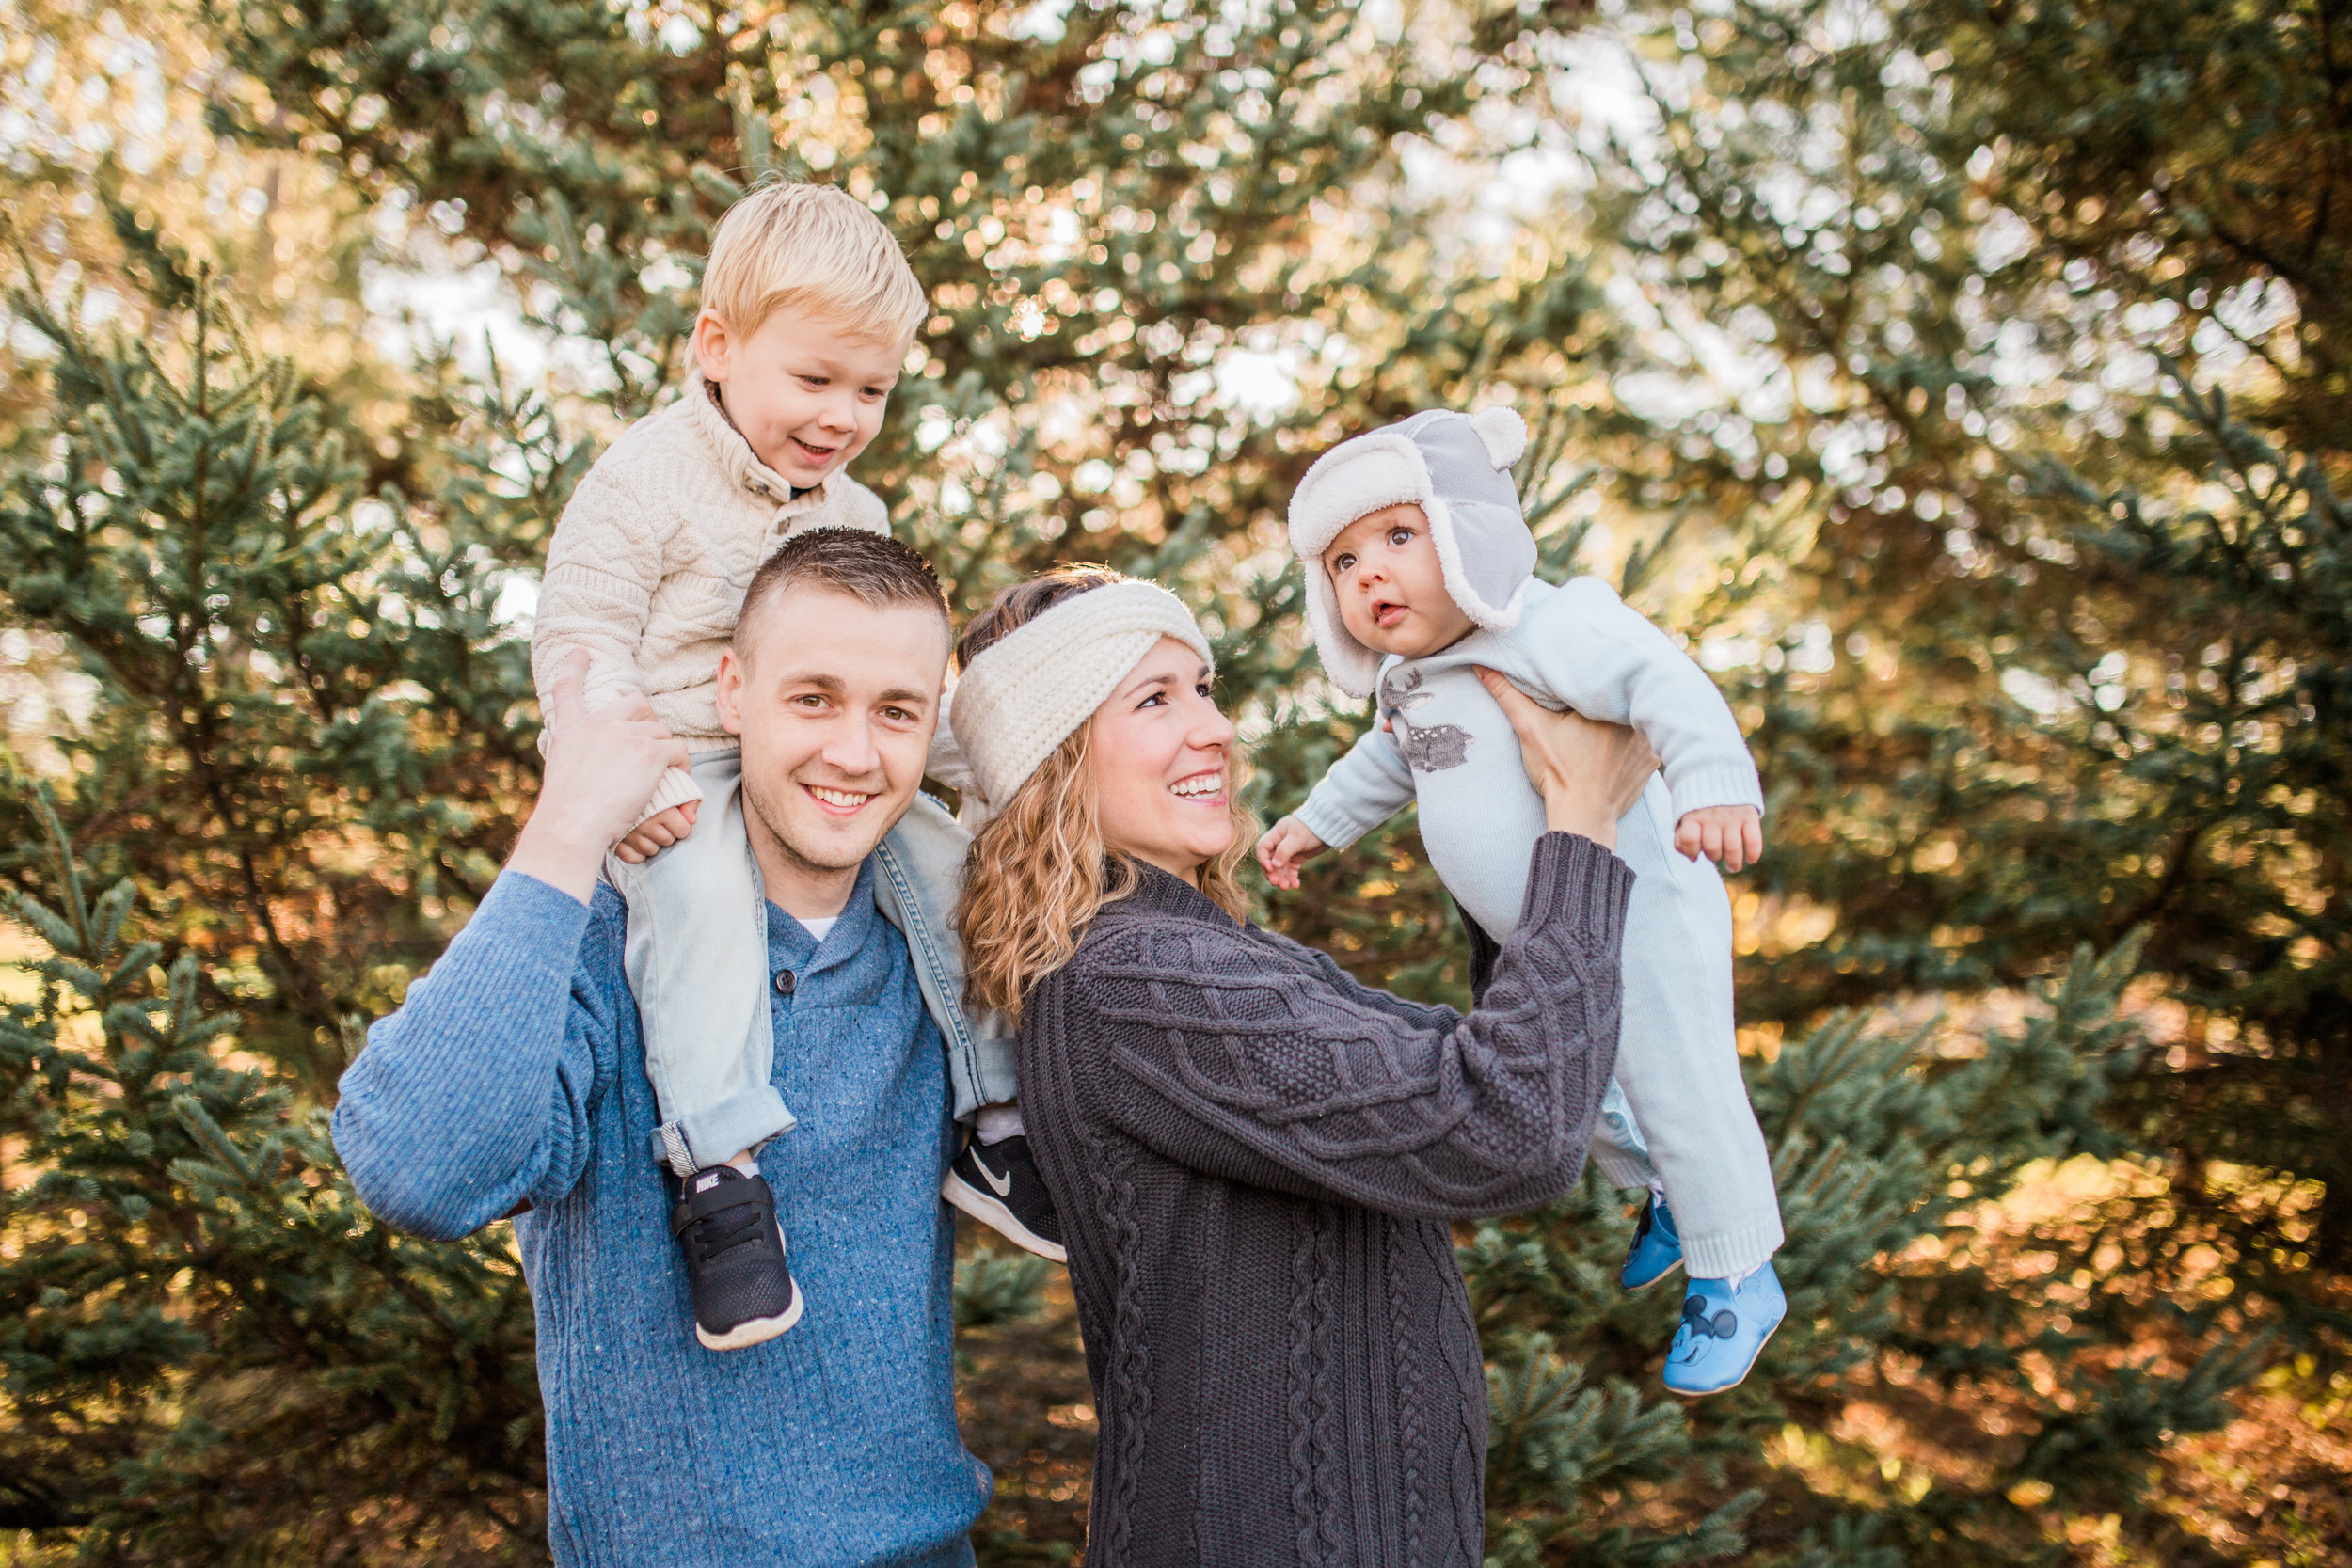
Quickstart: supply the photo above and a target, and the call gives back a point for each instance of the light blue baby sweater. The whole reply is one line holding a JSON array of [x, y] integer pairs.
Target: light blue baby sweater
[[1576, 645], [515, 1071]]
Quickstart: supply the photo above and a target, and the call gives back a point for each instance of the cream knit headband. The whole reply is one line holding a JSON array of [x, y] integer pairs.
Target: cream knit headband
[[1024, 694]]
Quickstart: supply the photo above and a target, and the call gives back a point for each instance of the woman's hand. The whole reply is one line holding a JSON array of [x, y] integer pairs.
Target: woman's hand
[[1588, 772]]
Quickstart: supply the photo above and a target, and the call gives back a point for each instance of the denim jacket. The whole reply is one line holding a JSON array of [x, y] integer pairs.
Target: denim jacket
[[918, 874]]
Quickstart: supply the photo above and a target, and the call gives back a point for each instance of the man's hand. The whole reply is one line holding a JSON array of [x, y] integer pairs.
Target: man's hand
[[1286, 844], [1732, 837], [657, 832], [601, 770]]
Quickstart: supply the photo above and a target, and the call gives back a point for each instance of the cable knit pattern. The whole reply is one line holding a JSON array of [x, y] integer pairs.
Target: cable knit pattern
[[1257, 1161], [649, 565]]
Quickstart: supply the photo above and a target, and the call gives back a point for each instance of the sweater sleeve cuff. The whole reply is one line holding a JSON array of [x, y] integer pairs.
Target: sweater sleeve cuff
[[676, 788], [1328, 823], [1573, 880], [1722, 784]]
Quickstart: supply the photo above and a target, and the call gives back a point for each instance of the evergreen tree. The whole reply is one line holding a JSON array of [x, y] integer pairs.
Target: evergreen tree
[[293, 588]]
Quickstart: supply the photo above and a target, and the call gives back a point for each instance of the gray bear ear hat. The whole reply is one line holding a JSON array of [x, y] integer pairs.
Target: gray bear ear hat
[[1454, 466]]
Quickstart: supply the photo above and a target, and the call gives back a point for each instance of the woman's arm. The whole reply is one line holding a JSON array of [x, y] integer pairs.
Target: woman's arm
[[1214, 1046]]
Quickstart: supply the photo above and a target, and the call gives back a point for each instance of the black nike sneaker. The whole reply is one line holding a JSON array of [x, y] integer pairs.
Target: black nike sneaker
[[743, 1294], [997, 1184]]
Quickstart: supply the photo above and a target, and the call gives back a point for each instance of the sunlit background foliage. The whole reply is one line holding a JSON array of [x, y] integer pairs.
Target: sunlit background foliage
[[1966, 382]]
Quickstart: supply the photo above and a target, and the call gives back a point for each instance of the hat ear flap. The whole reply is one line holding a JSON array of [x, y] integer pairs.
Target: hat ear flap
[[1503, 432]]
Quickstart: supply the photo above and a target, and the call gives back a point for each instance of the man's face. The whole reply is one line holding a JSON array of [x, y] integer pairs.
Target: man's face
[[807, 398], [1385, 572], [835, 704]]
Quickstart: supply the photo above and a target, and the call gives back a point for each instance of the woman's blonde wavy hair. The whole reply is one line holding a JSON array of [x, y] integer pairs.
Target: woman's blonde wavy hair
[[1039, 871]]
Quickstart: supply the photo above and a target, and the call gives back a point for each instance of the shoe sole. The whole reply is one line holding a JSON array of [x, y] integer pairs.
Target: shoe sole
[[1667, 1272], [757, 1331], [991, 1213], [1710, 1393]]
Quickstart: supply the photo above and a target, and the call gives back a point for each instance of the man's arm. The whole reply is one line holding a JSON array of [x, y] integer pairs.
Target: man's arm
[[476, 1095]]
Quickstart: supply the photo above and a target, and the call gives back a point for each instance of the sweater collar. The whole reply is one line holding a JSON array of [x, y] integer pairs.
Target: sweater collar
[[1157, 893], [791, 941], [742, 466]]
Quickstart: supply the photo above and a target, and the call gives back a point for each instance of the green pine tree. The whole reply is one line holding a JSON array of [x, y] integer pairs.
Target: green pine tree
[[2046, 670]]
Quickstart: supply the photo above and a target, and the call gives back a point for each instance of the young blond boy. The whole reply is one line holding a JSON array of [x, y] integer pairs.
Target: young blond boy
[[1420, 573], [808, 311]]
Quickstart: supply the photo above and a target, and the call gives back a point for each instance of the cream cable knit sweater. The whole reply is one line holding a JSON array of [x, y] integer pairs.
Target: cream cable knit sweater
[[652, 556]]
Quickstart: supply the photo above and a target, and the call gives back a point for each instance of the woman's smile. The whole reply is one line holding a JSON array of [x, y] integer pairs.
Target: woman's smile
[[1202, 789]]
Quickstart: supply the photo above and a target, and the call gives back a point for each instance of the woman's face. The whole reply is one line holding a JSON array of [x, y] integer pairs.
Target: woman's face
[[1162, 764]]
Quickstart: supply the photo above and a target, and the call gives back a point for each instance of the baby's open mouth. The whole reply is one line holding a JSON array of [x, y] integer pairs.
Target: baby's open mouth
[[1386, 613], [813, 453]]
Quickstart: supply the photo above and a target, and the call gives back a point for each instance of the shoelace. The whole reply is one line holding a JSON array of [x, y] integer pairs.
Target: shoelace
[[1722, 1325], [719, 1232]]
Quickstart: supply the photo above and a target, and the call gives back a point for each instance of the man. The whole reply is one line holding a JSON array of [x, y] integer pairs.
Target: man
[[515, 1074]]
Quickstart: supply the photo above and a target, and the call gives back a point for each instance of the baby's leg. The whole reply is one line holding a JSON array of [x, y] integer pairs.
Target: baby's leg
[[696, 957], [1679, 1057], [1619, 1147]]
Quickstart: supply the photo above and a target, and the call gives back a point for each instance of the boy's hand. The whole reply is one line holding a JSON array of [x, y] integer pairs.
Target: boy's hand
[[1732, 837], [1286, 844], [656, 833]]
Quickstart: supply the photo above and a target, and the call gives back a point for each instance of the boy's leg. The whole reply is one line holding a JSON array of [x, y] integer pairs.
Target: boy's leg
[[994, 1178], [1679, 1057], [696, 957]]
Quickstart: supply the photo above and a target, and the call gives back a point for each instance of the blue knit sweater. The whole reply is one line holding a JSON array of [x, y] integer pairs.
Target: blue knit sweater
[[515, 1071]]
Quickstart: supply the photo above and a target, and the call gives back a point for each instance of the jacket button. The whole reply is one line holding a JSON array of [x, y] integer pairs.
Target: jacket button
[[785, 982]]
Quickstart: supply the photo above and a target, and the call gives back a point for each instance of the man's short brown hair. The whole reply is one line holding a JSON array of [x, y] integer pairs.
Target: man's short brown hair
[[872, 568]]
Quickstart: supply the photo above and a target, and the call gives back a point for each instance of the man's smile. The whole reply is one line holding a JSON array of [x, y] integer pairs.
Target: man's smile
[[839, 802]]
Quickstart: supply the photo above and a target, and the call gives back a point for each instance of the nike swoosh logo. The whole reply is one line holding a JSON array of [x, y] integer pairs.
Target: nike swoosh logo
[[1001, 1185]]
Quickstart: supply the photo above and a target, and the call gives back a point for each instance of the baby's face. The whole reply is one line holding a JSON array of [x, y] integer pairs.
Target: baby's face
[[806, 396], [1391, 590]]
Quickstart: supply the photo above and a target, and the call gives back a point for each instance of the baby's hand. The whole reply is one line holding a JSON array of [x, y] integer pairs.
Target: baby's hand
[[655, 834], [1733, 836], [1286, 844]]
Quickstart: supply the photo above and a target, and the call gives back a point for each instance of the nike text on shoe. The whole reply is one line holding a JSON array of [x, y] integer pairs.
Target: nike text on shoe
[[1722, 1331], [1655, 1252], [997, 1184], [743, 1293]]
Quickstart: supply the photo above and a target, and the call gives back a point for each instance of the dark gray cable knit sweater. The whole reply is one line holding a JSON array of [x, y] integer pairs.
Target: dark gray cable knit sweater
[[1255, 1159]]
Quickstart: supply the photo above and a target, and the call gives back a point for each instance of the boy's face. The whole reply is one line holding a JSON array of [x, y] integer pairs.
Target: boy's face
[[1391, 590], [806, 397]]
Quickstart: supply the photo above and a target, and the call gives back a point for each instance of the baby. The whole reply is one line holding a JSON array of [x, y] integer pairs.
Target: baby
[[808, 309], [1420, 570]]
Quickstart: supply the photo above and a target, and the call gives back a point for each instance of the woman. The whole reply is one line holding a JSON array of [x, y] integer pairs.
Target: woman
[[1255, 1157]]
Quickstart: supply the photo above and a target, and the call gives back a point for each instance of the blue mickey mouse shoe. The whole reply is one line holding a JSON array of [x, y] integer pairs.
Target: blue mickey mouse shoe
[[1655, 1252], [1722, 1331]]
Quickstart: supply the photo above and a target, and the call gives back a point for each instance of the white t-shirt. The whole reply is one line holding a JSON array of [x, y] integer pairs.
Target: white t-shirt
[[818, 926]]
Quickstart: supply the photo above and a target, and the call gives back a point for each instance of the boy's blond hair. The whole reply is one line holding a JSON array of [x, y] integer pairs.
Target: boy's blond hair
[[815, 248]]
